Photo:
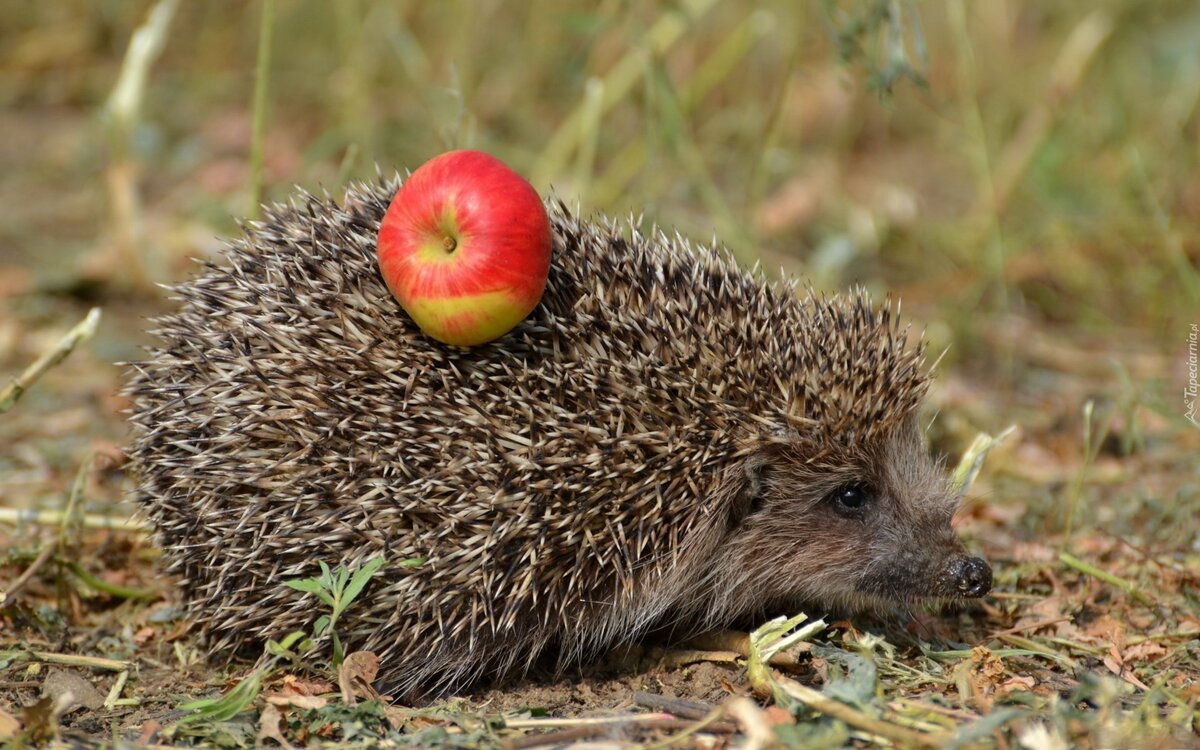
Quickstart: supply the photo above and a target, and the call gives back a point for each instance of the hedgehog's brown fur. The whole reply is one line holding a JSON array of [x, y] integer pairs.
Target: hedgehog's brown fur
[[656, 444]]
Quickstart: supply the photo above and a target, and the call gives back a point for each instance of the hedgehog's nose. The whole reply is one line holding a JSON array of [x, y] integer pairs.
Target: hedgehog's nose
[[972, 576]]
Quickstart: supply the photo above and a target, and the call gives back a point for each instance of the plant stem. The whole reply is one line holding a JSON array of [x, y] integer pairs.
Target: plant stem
[[258, 125]]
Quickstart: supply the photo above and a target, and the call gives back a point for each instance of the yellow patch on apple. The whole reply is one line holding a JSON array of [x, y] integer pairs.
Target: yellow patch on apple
[[468, 320]]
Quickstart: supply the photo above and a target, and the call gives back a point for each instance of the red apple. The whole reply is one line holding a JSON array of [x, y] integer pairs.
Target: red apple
[[465, 247]]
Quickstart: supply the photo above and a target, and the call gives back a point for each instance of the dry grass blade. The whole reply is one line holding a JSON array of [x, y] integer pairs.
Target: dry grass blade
[[45, 554], [1127, 586], [776, 635], [1065, 77], [617, 83], [972, 459], [718, 67]]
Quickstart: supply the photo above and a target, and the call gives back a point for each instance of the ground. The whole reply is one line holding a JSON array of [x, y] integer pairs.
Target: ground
[[1031, 192]]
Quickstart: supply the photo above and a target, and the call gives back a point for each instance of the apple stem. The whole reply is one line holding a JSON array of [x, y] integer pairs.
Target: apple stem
[[449, 244]]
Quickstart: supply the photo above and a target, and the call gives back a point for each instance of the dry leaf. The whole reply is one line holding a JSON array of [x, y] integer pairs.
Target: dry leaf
[[293, 685], [9, 726], [356, 674], [777, 716], [41, 721], [268, 726], [296, 701], [1015, 683], [990, 666], [1144, 651], [149, 730]]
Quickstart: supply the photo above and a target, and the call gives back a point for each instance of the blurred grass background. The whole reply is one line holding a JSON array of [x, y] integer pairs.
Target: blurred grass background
[[1029, 186]]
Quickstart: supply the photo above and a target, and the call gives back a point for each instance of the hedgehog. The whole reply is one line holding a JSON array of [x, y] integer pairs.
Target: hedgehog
[[668, 441]]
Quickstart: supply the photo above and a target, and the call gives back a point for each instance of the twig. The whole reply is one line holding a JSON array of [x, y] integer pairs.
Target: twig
[[709, 717], [579, 728], [686, 709], [1091, 448], [560, 737], [588, 721], [625, 164], [589, 124], [1005, 653], [677, 134], [681, 657], [80, 333], [1173, 239], [122, 111], [16, 516], [716, 644], [22, 579], [115, 693], [710, 722], [1033, 647], [68, 660]]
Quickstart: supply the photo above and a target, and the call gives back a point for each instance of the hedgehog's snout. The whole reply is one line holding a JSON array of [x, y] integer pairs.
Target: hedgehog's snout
[[971, 576]]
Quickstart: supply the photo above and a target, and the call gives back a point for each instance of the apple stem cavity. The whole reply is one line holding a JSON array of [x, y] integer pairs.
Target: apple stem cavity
[[465, 248]]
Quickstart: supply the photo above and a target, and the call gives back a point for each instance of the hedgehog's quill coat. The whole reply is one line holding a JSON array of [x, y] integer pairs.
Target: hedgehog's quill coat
[[657, 442]]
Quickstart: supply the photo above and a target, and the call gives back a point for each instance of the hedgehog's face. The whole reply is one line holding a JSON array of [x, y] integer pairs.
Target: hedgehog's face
[[868, 529]]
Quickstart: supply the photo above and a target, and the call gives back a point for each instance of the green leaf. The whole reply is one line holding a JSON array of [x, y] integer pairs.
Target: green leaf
[[291, 638], [237, 700], [321, 625], [307, 585], [337, 650], [360, 579], [413, 562], [284, 647], [857, 686], [311, 586]]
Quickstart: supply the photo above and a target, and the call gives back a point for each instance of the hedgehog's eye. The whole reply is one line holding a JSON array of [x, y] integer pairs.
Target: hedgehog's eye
[[850, 499]]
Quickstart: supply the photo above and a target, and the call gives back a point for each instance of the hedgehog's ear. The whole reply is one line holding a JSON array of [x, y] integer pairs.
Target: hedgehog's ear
[[747, 496], [750, 482]]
